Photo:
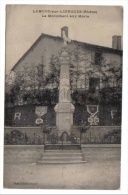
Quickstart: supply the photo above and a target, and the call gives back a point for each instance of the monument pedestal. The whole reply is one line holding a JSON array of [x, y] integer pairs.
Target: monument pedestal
[[64, 109], [64, 116]]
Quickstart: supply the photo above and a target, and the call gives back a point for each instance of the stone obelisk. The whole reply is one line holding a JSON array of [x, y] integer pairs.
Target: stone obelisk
[[64, 109]]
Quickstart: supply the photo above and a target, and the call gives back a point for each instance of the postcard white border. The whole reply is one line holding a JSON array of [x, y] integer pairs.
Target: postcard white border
[[124, 150]]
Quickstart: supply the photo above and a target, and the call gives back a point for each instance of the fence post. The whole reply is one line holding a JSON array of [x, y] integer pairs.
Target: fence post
[[62, 142], [44, 138], [99, 137], [90, 136], [80, 137]]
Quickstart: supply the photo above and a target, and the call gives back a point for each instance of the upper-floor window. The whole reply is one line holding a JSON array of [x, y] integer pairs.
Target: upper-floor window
[[98, 58], [40, 70]]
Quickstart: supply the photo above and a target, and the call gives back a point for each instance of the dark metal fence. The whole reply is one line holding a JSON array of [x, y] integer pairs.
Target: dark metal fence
[[18, 138]]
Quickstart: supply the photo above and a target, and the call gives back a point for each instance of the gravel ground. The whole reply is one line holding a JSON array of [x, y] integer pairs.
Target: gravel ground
[[100, 172]]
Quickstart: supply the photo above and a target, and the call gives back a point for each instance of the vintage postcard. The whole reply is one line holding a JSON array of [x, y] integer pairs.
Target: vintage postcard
[[63, 97]]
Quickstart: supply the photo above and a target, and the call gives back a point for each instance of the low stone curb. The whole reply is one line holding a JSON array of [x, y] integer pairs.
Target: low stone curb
[[100, 146], [24, 146]]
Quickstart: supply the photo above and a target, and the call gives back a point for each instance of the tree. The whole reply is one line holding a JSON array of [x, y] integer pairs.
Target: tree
[[76, 59], [25, 83], [32, 81], [41, 73], [12, 89], [53, 76]]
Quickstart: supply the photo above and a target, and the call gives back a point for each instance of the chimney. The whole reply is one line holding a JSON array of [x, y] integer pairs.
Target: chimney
[[65, 28], [119, 42], [116, 42]]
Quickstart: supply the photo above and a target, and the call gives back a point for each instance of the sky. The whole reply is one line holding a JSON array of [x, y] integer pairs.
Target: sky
[[24, 24]]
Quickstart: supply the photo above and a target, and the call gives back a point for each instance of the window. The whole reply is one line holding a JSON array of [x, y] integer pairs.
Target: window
[[98, 57], [94, 84], [105, 82]]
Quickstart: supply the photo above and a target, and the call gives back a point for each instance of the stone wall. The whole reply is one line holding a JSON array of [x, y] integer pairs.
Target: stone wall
[[95, 130], [30, 131], [102, 130], [24, 135]]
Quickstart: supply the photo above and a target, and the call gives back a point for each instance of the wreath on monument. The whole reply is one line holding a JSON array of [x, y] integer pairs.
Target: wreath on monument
[[62, 136]]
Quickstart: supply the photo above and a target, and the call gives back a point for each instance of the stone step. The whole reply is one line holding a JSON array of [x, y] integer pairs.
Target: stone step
[[62, 151], [62, 155], [61, 158], [60, 162]]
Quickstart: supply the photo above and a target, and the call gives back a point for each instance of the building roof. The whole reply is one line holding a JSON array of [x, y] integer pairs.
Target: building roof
[[87, 45]]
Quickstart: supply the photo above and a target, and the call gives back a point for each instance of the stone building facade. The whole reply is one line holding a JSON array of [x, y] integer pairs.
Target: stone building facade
[[91, 62], [95, 72]]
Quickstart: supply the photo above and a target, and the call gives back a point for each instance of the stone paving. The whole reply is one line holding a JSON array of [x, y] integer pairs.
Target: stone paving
[[102, 171]]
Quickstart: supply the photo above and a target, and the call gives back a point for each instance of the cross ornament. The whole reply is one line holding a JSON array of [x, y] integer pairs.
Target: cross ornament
[[93, 120], [65, 38]]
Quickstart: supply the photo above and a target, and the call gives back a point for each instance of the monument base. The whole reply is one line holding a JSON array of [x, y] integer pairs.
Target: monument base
[[64, 116]]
